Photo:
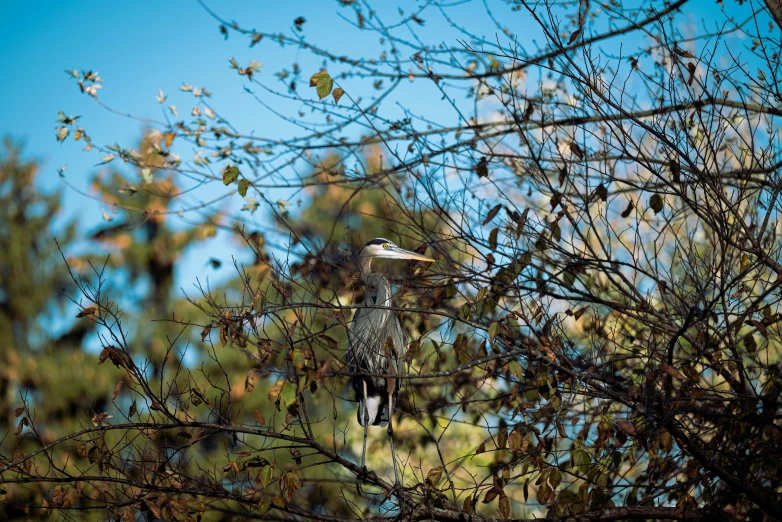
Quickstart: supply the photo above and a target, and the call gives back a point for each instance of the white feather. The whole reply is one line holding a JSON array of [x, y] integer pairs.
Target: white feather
[[372, 405]]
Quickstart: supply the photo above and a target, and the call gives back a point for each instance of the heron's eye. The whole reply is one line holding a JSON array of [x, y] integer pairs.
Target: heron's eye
[[385, 245]]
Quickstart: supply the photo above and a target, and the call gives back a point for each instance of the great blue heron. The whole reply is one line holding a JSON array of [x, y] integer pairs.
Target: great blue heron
[[377, 344]]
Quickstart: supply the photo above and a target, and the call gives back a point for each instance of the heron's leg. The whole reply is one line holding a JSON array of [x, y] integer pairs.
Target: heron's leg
[[397, 484], [366, 423], [364, 451]]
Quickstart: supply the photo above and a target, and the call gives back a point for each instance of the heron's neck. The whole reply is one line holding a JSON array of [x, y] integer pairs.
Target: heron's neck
[[365, 267], [376, 283]]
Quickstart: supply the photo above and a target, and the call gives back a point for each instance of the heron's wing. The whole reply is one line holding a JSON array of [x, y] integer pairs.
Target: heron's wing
[[369, 332]]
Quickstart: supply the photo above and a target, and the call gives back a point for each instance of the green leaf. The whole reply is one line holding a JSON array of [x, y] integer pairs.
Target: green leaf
[[264, 505], [243, 184], [502, 438], [581, 460], [288, 394], [556, 232], [493, 328], [568, 278], [555, 478], [298, 359], [322, 83], [266, 475], [230, 174], [514, 441]]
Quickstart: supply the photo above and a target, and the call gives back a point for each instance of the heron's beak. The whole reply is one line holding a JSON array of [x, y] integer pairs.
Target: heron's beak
[[400, 253]]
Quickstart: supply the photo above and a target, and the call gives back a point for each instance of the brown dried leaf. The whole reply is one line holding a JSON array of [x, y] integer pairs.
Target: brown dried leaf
[[90, 311], [493, 212], [482, 168], [117, 388], [205, 332], [502, 438], [573, 36], [673, 372], [629, 209], [760, 326], [490, 495], [656, 203], [601, 192], [683, 53], [259, 417], [22, 423], [434, 475], [627, 427], [504, 505], [249, 381], [691, 69], [275, 390], [493, 238], [115, 355], [468, 508]]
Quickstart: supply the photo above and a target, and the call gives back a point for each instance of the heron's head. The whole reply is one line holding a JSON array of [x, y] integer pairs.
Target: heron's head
[[383, 248]]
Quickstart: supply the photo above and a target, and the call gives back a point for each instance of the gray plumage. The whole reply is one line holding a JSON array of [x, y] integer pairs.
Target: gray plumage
[[377, 346]]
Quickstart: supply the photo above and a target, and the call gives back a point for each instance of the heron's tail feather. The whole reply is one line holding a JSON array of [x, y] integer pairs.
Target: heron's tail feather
[[375, 409]]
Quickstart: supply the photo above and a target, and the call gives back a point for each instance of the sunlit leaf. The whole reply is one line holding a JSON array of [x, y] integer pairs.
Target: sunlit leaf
[[230, 174], [251, 205], [106, 159], [242, 188]]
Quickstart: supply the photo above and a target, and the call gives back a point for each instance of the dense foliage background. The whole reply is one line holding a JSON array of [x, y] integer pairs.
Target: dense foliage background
[[598, 339]]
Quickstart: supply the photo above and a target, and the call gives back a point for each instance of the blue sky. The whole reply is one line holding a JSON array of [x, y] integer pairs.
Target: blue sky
[[138, 48], [142, 46]]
